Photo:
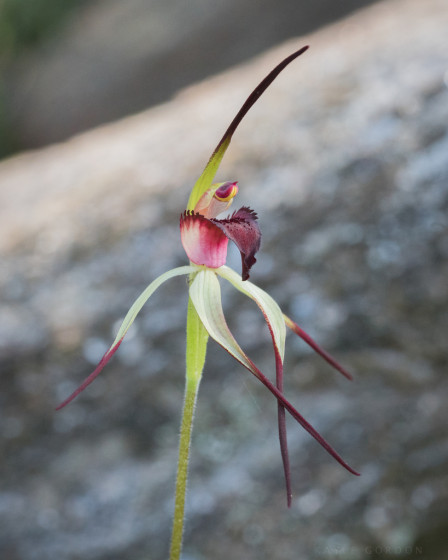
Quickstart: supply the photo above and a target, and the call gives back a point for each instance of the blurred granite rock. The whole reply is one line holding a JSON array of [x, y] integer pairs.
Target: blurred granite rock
[[113, 58], [345, 160]]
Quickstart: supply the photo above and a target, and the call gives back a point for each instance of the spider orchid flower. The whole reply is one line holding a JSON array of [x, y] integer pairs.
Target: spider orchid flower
[[205, 239]]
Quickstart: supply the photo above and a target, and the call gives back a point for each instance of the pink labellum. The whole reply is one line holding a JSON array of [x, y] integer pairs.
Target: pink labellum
[[243, 230], [204, 242]]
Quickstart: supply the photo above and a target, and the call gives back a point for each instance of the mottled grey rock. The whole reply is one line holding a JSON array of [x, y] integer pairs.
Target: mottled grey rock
[[345, 160]]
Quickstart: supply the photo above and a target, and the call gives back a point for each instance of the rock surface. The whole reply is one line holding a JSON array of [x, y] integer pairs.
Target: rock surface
[[114, 58], [345, 160]]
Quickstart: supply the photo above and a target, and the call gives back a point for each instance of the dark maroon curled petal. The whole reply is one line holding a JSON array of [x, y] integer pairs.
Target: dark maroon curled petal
[[242, 228]]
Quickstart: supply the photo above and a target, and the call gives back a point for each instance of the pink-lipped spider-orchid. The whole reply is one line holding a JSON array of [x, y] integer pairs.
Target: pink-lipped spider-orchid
[[205, 239]]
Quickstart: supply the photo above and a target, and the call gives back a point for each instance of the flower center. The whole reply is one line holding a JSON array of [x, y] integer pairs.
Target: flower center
[[226, 191]]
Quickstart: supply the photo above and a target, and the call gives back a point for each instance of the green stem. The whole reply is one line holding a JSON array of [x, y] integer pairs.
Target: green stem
[[182, 469], [197, 338]]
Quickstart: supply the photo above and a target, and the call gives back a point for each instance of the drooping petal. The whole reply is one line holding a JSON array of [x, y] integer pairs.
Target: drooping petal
[[268, 306], [206, 178], [276, 324], [205, 294], [242, 228], [127, 322], [216, 199], [325, 355], [282, 435], [203, 241]]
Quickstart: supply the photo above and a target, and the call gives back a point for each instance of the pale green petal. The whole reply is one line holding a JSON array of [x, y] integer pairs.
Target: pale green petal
[[146, 294], [205, 293], [269, 307]]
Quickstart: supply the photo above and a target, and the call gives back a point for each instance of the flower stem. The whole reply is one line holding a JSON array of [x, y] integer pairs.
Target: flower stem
[[197, 338], [191, 392]]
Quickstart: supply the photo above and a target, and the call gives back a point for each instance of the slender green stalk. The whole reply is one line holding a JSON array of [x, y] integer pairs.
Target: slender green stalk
[[182, 469], [197, 338]]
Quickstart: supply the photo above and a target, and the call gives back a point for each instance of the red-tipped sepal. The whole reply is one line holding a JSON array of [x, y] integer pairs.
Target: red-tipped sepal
[[325, 355], [104, 360], [205, 294], [125, 325], [281, 419], [276, 324]]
